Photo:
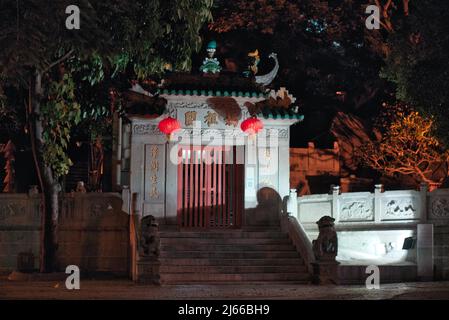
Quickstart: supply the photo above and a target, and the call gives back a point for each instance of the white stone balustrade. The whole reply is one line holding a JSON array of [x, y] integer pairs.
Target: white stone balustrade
[[372, 226], [375, 208]]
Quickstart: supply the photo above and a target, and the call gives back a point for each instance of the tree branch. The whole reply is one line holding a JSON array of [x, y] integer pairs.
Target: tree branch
[[64, 57]]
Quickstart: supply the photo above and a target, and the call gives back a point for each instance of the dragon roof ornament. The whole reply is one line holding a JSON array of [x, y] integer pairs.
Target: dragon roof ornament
[[268, 78]]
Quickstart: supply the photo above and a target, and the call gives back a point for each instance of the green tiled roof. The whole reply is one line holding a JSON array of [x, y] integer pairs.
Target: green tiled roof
[[279, 113], [214, 93]]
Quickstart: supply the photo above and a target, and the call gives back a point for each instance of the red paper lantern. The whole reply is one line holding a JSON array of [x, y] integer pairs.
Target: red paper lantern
[[169, 125], [251, 125]]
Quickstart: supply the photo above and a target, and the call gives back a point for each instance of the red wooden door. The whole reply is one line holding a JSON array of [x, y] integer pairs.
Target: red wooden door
[[210, 187]]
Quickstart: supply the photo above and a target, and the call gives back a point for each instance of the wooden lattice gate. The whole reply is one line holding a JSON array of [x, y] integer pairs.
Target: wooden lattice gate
[[210, 187]]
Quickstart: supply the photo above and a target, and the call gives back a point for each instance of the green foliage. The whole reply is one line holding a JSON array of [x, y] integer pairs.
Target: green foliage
[[407, 146], [60, 112], [32, 34], [418, 62], [118, 41], [153, 34]]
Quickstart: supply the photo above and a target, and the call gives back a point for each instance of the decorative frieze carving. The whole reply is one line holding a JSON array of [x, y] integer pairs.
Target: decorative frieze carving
[[146, 129], [281, 133], [96, 210], [10, 210], [439, 208], [188, 105], [400, 208], [210, 132], [357, 210], [172, 112]]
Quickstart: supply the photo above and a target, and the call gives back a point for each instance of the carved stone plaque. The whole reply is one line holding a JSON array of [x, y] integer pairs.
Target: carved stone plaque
[[357, 210]]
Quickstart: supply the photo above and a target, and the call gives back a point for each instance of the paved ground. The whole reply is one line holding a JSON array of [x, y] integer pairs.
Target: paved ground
[[121, 289]]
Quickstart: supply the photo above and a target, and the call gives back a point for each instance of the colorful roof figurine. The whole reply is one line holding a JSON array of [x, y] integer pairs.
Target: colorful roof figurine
[[212, 45], [211, 64], [253, 62]]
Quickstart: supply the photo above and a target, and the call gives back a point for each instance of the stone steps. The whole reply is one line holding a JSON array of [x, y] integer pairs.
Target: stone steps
[[224, 241], [238, 277], [228, 247], [250, 255], [231, 262], [224, 234], [233, 269], [229, 254]]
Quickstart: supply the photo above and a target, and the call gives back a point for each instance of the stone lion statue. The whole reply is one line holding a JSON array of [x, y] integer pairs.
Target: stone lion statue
[[149, 237], [325, 247]]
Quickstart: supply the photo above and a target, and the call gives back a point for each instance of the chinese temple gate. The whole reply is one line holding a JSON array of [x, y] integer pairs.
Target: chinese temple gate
[[206, 174]]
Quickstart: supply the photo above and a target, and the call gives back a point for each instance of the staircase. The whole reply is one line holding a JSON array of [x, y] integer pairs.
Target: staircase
[[230, 256]]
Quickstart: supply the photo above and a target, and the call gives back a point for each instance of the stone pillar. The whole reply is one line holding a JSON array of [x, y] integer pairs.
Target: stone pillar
[[251, 173], [325, 272], [126, 200], [134, 218], [171, 181], [284, 169], [292, 204], [148, 271], [424, 252], [378, 190], [423, 197], [137, 172], [335, 194]]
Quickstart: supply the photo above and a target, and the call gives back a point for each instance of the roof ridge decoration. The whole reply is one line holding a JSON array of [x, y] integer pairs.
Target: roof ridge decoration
[[211, 64], [282, 93], [268, 78], [254, 59]]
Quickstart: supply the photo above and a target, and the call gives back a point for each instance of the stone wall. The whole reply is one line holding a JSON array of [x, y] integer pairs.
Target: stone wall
[[20, 225], [92, 233]]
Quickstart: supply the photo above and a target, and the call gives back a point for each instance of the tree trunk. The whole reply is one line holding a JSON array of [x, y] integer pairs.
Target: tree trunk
[[49, 185]]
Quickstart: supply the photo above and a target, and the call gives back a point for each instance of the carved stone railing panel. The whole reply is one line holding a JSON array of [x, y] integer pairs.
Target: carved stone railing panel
[[438, 205], [356, 208], [19, 210], [401, 206]]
